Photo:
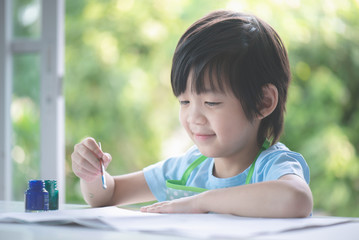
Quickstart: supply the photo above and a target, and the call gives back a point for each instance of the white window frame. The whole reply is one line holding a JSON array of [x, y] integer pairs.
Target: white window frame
[[50, 46]]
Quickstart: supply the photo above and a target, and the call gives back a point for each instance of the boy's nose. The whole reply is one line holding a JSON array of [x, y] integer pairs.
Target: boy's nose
[[195, 116]]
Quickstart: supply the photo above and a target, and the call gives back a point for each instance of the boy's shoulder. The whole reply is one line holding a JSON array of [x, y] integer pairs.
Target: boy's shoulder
[[277, 155], [279, 159], [277, 150]]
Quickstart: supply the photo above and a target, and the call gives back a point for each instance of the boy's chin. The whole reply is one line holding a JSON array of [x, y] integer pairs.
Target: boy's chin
[[208, 152]]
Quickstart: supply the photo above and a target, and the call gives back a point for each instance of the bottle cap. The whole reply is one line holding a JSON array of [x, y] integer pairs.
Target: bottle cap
[[50, 184], [36, 184]]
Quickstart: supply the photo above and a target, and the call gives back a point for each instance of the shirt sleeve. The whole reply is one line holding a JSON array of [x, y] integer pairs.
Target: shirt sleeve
[[155, 179], [280, 163]]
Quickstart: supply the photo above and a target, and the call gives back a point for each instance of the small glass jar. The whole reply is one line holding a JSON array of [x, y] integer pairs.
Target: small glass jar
[[36, 197], [51, 188]]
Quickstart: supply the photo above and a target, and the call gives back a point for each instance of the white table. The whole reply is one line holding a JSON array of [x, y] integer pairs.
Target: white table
[[347, 231]]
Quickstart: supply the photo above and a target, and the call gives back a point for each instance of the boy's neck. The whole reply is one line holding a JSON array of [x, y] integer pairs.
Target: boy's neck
[[236, 164]]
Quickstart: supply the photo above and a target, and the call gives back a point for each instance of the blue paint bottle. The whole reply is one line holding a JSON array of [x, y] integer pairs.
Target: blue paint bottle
[[36, 197]]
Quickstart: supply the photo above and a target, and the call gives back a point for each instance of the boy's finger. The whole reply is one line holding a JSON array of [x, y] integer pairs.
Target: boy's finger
[[82, 172], [91, 144], [106, 159], [85, 153]]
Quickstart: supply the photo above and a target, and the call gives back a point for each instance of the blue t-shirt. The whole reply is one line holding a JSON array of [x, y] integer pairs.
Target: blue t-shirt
[[271, 164]]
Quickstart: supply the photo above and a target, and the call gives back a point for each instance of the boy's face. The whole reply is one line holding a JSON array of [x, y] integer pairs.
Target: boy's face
[[216, 123]]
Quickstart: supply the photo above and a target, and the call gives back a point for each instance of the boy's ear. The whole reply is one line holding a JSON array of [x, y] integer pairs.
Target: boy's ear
[[269, 101]]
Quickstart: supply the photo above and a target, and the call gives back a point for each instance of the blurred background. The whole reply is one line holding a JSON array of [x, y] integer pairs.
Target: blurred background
[[117, 87]]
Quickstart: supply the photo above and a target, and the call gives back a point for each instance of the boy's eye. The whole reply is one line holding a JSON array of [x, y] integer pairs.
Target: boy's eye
[[211, 104], [185, 102]]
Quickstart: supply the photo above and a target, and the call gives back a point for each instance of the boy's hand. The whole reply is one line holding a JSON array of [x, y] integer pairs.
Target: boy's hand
[[182, 205], [85, 159]]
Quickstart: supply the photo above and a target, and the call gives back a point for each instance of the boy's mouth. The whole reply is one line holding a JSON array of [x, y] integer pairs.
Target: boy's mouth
[[202, 137]]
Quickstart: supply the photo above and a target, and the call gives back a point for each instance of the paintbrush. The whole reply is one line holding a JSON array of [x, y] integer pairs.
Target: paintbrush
[[102, 170]]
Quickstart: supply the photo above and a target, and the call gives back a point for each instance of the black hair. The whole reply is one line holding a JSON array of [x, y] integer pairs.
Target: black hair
[[238, 51]]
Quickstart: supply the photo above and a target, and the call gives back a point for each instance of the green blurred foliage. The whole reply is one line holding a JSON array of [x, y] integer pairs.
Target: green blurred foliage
[[117, 84]]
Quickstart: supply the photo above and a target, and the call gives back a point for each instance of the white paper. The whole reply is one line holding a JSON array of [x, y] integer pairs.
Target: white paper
[[89, 217], [189, 225], [219, 225]]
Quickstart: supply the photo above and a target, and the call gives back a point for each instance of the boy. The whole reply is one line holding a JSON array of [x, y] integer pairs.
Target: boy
[[230, 73]]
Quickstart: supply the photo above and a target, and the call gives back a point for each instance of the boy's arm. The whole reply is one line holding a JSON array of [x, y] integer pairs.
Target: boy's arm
[[121, 190], [126, 189], [289, 196]]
